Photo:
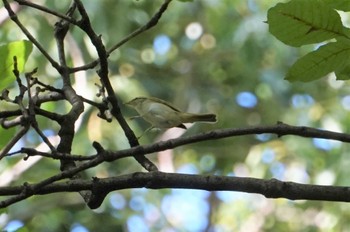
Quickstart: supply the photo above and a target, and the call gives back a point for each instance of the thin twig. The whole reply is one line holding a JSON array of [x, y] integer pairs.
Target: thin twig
[[15, 19], [13, 141], [31, 112], [33, 152], [46, 10], [151, 23]]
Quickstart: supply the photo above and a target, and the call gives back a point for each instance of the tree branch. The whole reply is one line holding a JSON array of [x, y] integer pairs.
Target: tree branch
[[47, 10], [107, 156], [103, 72], [151, 23], [272, 188], [15, 19], [280, 129]]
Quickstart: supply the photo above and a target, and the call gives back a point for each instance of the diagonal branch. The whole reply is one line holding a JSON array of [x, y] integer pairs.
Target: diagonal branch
[[151, 23], [15, 19], [47, 10], [103, 72]]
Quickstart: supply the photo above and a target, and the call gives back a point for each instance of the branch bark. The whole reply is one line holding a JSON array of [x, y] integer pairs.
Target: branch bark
[[272, 188], [282, 189], [99, 188]]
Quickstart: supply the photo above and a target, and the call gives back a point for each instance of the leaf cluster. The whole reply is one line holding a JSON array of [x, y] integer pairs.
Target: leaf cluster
[[297, 23]]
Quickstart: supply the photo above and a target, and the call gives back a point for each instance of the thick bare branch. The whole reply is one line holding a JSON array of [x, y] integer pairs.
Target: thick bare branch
[[106, 156], [272, 188]]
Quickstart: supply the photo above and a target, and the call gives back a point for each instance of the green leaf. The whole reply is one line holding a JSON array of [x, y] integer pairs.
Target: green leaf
[[317, 64], [301, 22], [185, 0], [20, 49], [343, 73], [343, 5]]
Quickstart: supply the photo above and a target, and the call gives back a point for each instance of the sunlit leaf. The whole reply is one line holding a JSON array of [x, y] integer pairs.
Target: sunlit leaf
[[300, 22], [20, 49], [316, 64]]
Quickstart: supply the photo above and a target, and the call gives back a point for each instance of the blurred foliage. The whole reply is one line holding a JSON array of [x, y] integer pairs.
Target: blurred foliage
[[19, 49], [203, 56]]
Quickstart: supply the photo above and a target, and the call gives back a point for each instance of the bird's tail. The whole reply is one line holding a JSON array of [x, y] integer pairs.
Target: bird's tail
[[188, 117]]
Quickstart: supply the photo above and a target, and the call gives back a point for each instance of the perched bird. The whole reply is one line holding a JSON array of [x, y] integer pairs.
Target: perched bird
[[161, 114]]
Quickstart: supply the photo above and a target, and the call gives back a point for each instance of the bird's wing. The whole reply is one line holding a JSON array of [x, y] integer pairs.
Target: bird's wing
[[157, 111], [165, 103]]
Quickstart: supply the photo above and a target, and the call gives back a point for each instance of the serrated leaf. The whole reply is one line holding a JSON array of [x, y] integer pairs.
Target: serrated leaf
[[301, 22], [343, 5], [20, 49], [317, 64]]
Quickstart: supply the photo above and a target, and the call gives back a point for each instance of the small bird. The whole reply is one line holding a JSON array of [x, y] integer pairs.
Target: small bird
[[161, 114]]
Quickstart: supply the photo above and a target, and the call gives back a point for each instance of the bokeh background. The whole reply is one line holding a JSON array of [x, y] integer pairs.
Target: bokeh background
[[204, 56]]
